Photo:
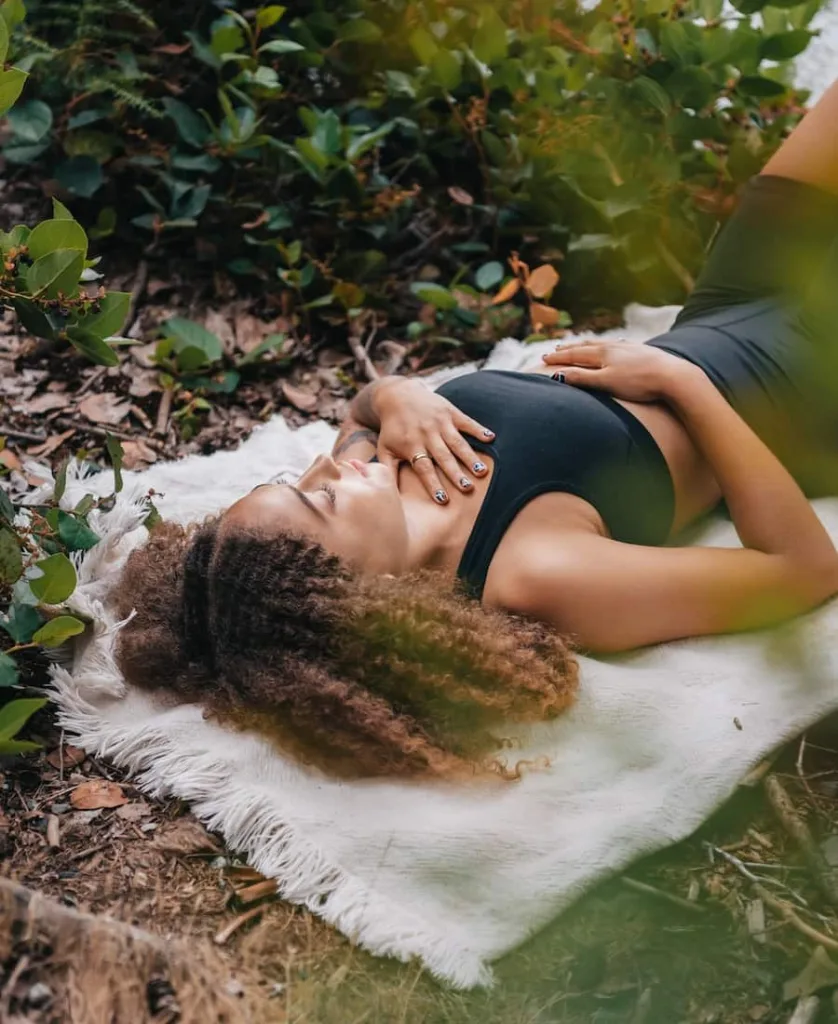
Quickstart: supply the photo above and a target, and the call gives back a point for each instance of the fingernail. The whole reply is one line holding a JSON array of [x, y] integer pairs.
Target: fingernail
[[479, 467], [488, 433], [465, 482], [559, 377], [441, 497]]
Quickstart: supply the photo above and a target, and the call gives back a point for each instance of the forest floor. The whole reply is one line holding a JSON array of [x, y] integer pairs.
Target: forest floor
[[735, 926]]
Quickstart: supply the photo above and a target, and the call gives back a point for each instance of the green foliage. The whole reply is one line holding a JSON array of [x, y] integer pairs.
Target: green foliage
[[13, 716], [350, 155]]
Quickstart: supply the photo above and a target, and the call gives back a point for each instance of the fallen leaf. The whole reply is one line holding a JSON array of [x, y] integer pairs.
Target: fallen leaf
[[133, 812], [250, 332], [544, 315], [542, 281], [302, 400], [47, 402], [53, 442], [459, 195], [175, 49], [820, 972], [137, 454], [69, 758], [105, 407], [222, 328], [97, 793], [183, 837], [144, 383], [263, 218], [9, 459], [758, 1011]]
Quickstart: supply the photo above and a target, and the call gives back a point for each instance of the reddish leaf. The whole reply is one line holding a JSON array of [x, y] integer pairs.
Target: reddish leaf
[[263, 218], [137, 454], [9, 459], [542, 281], [172, 48], [509, 290], [47, 402], [69, 757], [546, 316], [51, 444], [90, 796]]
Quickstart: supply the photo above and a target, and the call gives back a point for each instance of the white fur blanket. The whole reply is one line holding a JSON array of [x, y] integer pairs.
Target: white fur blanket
[[456, 877]]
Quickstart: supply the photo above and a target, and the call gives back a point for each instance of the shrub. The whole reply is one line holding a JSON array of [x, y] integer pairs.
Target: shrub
[[338, 154]]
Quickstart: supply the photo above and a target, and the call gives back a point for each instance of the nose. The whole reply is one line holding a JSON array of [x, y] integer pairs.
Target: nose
[[324, 467]]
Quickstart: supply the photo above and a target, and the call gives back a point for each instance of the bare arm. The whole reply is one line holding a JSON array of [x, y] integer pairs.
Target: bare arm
[[617, 596], [810, 153]]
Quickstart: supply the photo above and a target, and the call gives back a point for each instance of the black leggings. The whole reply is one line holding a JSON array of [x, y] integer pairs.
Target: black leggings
[[762, 323]]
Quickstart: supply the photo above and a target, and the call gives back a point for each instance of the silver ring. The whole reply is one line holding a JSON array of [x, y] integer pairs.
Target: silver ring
[[418, 456]]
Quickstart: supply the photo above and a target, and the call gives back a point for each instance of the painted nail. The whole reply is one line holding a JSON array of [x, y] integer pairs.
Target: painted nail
[[488, 433], [441, 497], [479, 467], [465, 482], [559, 377]]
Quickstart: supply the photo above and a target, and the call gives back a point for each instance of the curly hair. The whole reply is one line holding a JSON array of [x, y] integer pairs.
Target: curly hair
[[360, 676]]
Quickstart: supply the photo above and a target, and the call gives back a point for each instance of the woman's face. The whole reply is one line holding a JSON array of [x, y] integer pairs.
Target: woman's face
[[352, 508]]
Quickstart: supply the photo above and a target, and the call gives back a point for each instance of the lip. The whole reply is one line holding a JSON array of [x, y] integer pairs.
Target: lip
[[360, 467]]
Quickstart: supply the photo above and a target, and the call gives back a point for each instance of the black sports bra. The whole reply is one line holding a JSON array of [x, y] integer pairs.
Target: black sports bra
[[555, 437]]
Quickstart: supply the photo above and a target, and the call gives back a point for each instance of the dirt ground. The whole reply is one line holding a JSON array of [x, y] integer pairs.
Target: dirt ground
[[737, 925]]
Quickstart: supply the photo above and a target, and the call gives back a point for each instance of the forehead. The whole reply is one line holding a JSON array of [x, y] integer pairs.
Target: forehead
[[270, 505]]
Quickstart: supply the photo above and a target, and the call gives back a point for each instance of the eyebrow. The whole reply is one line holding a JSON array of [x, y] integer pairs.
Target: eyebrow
[[305, 500]]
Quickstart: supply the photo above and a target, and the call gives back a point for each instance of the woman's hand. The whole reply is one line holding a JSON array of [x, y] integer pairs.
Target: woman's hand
[[414, 420], [625, 369]]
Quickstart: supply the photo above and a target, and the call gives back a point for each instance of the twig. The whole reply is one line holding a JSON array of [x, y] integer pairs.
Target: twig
[[806, 1010], [651, 890], [81, 854], [257, 891], [788, 914], [221, 937], [799, 831], [742, 868], [362, 358], [123, 435], [97, 374], [757, 774], [137, 292], [53, 832], [801, 753], [163, 411]]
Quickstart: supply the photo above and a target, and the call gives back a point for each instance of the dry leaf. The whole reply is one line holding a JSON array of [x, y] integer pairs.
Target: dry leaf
[[459, 195], [302, 400], [9, 459], [175, 49], [47, 402], [546, 316], [542, 281], [251, 331], [221, 327], [183, 837], [820, 972], [509, 290], [52, 443], [137, 454], [97, 793], [133, 812], [69, 758], [104, 407], [263, 218], [758, 1011], [143, 384]]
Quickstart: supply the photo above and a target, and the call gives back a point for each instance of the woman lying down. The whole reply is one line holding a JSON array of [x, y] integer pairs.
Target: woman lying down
[[427, 584]]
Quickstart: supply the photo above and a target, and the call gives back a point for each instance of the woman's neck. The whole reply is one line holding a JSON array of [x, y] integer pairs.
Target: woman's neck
[[438, 534]]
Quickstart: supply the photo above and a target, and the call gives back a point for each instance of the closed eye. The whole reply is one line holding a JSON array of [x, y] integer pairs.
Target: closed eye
[[330, 492]]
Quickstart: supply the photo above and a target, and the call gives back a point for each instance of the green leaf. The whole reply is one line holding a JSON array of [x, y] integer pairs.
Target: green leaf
[[60, 484], [692, 87], [423, 45], [434, 294], [11, 560], [9, 748], [268, 344], [57, 631], [51, 235], [30, 121], [363, 143], [280, 46], [74, 532], [92, 345], [785, 45], [113, 309], [116, 455], [15, 714], [21, 622], [758, 85], [11, 86], [191, 128], [34, 319], [13, 13], [8, 670], [489, 275], [4, 41], [58, 272], [7, 509], [651, 92], [490, 45], [676, 44], [710, 9], [57, 582], [226, 39], [60, 211], [187, 334], [359, 30], [86, 117], [270, 15], [445, 70], [82, 175]]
